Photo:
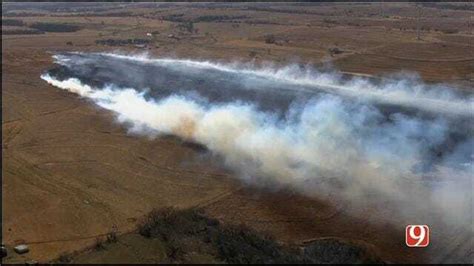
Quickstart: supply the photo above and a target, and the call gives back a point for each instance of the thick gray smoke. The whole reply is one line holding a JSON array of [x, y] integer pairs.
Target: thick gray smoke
[[340, 141]]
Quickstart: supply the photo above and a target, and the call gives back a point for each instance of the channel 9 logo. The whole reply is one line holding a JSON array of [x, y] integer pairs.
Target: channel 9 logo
[[417, 236]]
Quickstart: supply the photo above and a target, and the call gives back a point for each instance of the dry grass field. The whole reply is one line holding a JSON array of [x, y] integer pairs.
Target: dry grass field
[[71, 173]]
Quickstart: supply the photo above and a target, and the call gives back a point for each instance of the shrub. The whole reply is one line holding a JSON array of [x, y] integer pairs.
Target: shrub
[[231, 244], [211, 18], [99, 244], [64, 258], [20, 31], [174, 18], [187, 233], [331, 250], [165, 223], [270, 39], [329, 21], [12, 22], [187, 26], [55, 27], [112, 237], [121, 42], [450, 31], [241, 245], [333, 51]]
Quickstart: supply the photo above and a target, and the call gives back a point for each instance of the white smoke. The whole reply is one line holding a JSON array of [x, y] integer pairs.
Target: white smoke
[[327, 146], [408, 92]]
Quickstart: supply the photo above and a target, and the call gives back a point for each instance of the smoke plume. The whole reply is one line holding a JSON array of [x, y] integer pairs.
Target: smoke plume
[[402, 141]]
